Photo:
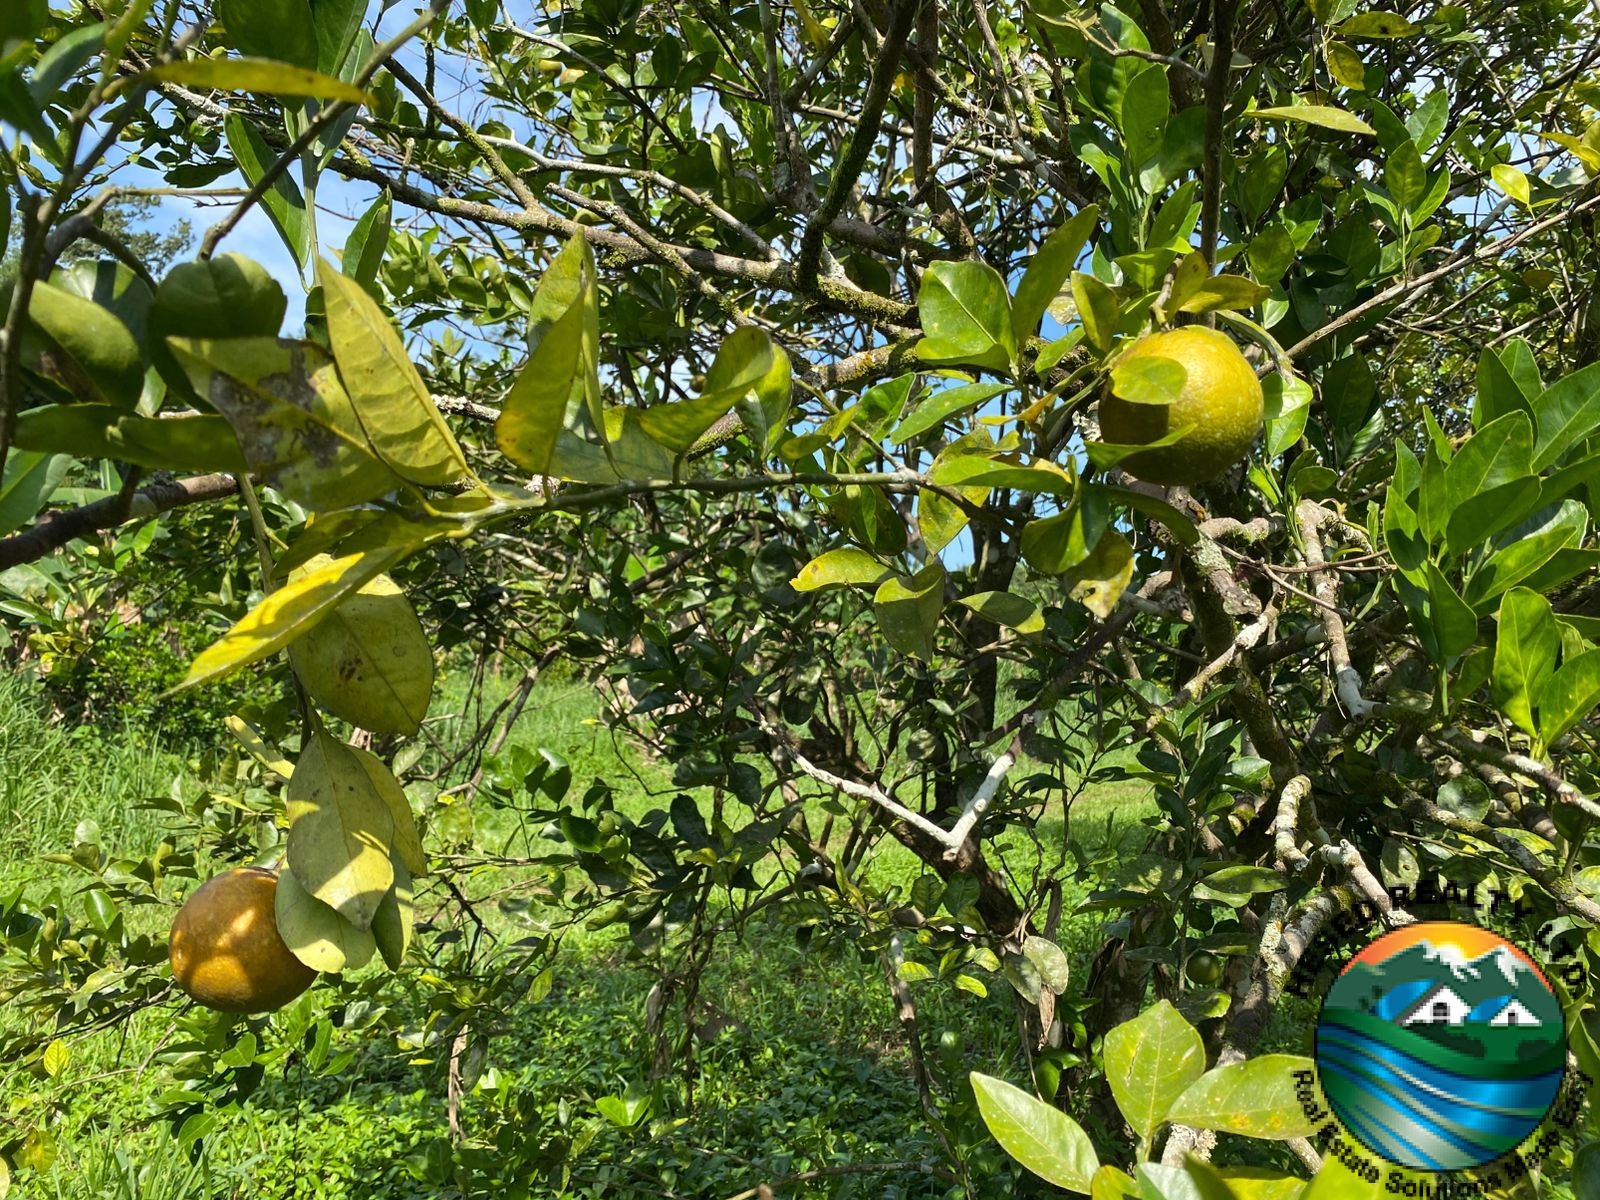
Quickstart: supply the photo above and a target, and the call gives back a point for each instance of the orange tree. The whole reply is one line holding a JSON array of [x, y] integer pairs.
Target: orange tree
[[749, 356]]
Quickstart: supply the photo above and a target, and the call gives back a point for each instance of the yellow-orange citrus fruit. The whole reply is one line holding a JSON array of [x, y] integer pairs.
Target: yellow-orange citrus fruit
[[1221, 398], [225, 948]]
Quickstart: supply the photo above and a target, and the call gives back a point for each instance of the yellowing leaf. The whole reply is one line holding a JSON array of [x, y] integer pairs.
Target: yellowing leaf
[[1256, 1098], [1324, 115], [291, 415], [1346, 66], [393, 404], [834, 568], [1512, 182], [1150, 1062], [1099, 580], [1038, 1135], [316, 934], [262, 75], [368, 661], [340, 831], [288, 612]]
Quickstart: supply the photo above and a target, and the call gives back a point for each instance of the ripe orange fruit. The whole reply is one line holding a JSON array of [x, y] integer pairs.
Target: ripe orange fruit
[[225, 948], [1221, 398]]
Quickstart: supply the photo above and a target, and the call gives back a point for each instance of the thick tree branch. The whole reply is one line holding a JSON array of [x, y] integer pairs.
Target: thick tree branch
[[55, 529]]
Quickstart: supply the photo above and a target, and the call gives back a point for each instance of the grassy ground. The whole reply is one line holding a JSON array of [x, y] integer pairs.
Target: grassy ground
[[807, 1067]]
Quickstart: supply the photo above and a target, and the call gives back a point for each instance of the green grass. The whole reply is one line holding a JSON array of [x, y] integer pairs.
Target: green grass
[[804, 1065]]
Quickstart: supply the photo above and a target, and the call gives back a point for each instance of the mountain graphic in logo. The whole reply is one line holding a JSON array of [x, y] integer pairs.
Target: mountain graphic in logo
[[1441, 1047]]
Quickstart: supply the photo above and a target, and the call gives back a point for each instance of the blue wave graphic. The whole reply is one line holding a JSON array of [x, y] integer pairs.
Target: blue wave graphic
[[1421, 1116]]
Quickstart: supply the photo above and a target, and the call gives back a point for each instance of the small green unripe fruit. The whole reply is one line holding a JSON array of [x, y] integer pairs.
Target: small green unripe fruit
[[1203, 968], [1221, 399]]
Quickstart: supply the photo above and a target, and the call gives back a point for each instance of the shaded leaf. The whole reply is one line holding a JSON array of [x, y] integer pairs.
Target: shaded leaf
[[315, 933], [340, 831], [1047, 272], [1524, 655], [909, 608]]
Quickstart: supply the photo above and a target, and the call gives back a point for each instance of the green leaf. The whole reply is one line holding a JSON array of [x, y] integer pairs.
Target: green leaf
[[532, 415], [114, 286], [1106, 455], [65, 58], [1524, 655], [291, 415], [835, 568], [393, 924], [315, 933], [966, 316], [1179, 525], [1454, 623], [191, 442], [1150, 1061], [1335, 1181], [1097, 309], [1377, 25], [30, 478], [1194, 1180], [337, 24], [1523, 554], [1232, 292], [284, 202], [1569, 695], [1566, 414], [1255, 1098], [909, 608], [1489, 479], [259, 75], [942, 405], [1149, 379], [1323, 115], [1287, 404], [407, 848], [368, 661], [1404, 174], [1039, 1136], [288, 612], [1005, 608], [1047, 272], [742, 366], [1235, 885], [978, 470], [340, 831], [396, 409], [280, 29], [1498, 393], [367, 244], [1142, 119], [80, 346]]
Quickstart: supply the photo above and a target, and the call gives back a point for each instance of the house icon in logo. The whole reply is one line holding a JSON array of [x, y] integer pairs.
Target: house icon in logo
[[1440, 1005]]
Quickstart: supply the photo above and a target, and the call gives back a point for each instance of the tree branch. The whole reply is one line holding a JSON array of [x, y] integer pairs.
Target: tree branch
[[55, 529]]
